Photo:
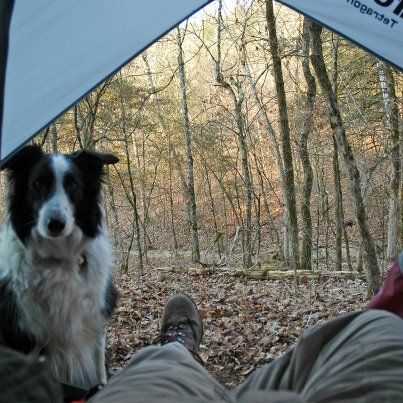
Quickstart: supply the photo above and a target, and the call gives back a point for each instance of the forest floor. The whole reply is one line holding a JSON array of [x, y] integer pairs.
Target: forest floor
[[247, 322]]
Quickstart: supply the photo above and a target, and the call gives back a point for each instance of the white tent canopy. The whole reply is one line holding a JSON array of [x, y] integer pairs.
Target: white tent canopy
[[375, 25], [59, 50]]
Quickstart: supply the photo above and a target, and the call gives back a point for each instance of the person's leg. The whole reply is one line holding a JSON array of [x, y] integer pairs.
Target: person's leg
[[167, 373], [357, 357], [390, 295]]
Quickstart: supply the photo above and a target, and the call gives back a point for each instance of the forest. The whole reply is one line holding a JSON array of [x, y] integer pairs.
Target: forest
[[260, 171]]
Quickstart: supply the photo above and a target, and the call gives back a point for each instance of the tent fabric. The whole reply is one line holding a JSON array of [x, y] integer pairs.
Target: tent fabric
[[375, 25], [59, 50], [6, 9]]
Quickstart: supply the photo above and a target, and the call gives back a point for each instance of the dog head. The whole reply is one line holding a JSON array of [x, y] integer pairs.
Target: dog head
[[54, 193]]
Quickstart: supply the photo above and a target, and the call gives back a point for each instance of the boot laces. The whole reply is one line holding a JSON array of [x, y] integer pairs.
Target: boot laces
[[176, 332], [173, 333]]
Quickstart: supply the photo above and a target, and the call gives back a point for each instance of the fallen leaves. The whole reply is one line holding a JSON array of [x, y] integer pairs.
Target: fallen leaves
[[247, 322]]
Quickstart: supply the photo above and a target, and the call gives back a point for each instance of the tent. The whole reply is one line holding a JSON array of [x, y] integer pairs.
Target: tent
[[53, 52], [375, 25]]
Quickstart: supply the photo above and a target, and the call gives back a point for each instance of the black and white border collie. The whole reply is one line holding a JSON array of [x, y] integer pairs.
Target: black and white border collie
[[56, 290]]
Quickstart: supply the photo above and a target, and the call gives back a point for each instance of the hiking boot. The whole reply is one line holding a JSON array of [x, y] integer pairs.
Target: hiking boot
[[181, 322]]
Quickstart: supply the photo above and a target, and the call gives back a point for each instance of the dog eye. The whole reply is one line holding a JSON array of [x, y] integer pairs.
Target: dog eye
[[71, 184], [39, 184]]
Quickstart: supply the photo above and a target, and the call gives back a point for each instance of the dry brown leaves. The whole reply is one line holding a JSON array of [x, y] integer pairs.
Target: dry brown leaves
[[247, 323]]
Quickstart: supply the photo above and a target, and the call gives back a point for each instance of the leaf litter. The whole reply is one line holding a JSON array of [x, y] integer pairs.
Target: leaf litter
[[247, 323]]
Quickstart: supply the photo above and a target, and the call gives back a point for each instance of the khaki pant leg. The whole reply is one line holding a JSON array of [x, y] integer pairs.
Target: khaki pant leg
[[355, 358], [162, 374]]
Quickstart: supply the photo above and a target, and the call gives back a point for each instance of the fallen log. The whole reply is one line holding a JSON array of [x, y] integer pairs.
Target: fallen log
[[266, 274]]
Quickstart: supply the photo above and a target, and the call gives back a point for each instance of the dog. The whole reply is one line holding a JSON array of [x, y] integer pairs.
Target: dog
[[56, 264]]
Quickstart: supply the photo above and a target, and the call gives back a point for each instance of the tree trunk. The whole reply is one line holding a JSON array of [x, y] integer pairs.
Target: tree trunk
[[213, 211], [247, 235], [272, 135], [285, 137], [238, 98], [258, 238], [269, 219], [339, 207], [86, 114], [336, 122], [142, 188], [191, 201], [339, 213], [392, 118], [228, 195], [136, 226], [117, 232], [173, 154], [306, 250], [171, 208], [54, 138]]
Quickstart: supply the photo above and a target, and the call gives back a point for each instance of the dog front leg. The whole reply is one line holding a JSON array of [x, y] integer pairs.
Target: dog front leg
[[101, 360]]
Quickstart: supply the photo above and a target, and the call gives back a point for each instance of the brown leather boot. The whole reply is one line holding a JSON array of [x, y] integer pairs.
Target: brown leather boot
[[181, 322]]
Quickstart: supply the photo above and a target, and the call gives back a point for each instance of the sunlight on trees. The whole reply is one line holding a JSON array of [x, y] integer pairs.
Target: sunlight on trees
[[279, 135]]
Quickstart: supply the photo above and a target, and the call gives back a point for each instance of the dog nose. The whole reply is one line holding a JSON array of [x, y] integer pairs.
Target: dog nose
[[55, 225]]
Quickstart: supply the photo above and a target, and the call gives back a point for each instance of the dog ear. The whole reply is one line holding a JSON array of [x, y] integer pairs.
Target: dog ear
[[24, 158], [93, 158]]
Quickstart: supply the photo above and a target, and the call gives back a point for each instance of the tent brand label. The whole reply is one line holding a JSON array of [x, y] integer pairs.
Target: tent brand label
[[379, 16], [396, 6], [376, 25]]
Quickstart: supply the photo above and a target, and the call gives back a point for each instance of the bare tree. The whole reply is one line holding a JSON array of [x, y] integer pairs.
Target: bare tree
[[284, 251], [191, 199], [390, 102], [339, 209], [237, 95], [306, 250], [53, 129], [289, 188], [173, 153], [133, 200], [336, 122], [86, 114]]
